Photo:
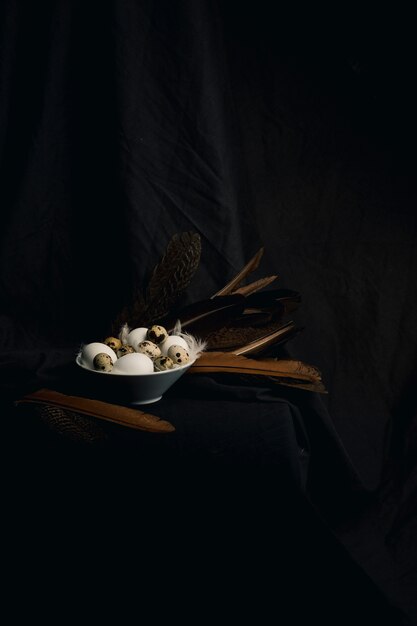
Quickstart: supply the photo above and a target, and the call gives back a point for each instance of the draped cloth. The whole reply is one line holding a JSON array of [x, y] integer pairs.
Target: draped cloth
[[122, 123]]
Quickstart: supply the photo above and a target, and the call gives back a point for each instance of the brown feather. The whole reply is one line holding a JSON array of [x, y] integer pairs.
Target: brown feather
[[206, 316], [257, 285], [316, 387], [228, 362], [169, 279], [255, 317], [238, 336], [270, 298], [295, 366], [172, 275], [280, 335], [250, 267], [125, 416], [176, 268]]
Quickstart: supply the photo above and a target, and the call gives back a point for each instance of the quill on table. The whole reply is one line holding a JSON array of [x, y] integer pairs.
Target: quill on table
[[122, 415], [289, 371]]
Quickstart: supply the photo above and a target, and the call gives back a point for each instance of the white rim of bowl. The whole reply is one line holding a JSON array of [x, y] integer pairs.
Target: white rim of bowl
[[170, 371]]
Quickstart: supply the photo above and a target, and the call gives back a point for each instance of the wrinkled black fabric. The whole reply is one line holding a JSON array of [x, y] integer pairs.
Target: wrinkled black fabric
[[122, 123]]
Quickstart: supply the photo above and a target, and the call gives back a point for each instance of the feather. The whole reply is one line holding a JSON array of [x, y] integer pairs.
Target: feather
[[173, 274], [250, 267], [203, 317], [233, 337], [255, 318], [195, 346], [225, 322], [268, 299], [124, 331], [169, 279], [214, 314], [278, 337], [125, 416], [273, 311], [316, 387], [296, 365], [230, 363], [257, 285]]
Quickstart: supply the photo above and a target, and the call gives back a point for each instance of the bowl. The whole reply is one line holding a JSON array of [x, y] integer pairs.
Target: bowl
[[133, 388]]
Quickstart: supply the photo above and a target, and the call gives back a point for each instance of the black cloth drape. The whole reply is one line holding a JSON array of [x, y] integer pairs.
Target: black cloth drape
[[122, 123]]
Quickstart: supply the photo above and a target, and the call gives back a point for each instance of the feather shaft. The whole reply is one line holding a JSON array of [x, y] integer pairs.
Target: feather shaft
[[212, 362], [257, 285], [133, 418], [250, 267], [284, 333]]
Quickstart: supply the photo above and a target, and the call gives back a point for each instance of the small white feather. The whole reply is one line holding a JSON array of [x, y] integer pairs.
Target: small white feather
[[124, 331], [196, 346]]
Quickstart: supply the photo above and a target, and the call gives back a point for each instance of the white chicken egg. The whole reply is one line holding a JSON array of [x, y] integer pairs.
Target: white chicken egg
[[133, 364], [136, 336], [90, 350], [173, 340]]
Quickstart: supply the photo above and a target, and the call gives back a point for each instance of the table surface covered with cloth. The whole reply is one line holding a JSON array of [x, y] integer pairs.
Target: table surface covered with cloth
[[242, 494]]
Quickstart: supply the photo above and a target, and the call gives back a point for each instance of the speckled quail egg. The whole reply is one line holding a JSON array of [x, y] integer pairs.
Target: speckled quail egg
[[103, 362], [124, 350], [162, 363], [150, 349], [132, 364], [90, 350], [157, 334], [173, 340], [136, 336], [179, 355], [113, 342]]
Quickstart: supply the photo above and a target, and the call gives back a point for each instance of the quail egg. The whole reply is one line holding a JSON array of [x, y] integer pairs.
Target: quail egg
[[179, 355], [90, 350], [103, 362], [173, 340], [124, 349], [163, 363], [150, 349], [157, 334], [113, 343], [133, 363]]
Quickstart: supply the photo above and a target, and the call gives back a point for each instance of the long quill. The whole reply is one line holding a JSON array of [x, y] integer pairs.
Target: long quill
[[125, 416], [230, 363], [256, 285], [250, 267], [278, 337]]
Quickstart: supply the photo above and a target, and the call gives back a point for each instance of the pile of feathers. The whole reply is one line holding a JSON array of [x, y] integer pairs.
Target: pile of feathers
[[240, 326]]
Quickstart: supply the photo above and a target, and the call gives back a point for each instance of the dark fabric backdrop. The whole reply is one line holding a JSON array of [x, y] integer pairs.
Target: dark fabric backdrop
[[125, 122]]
